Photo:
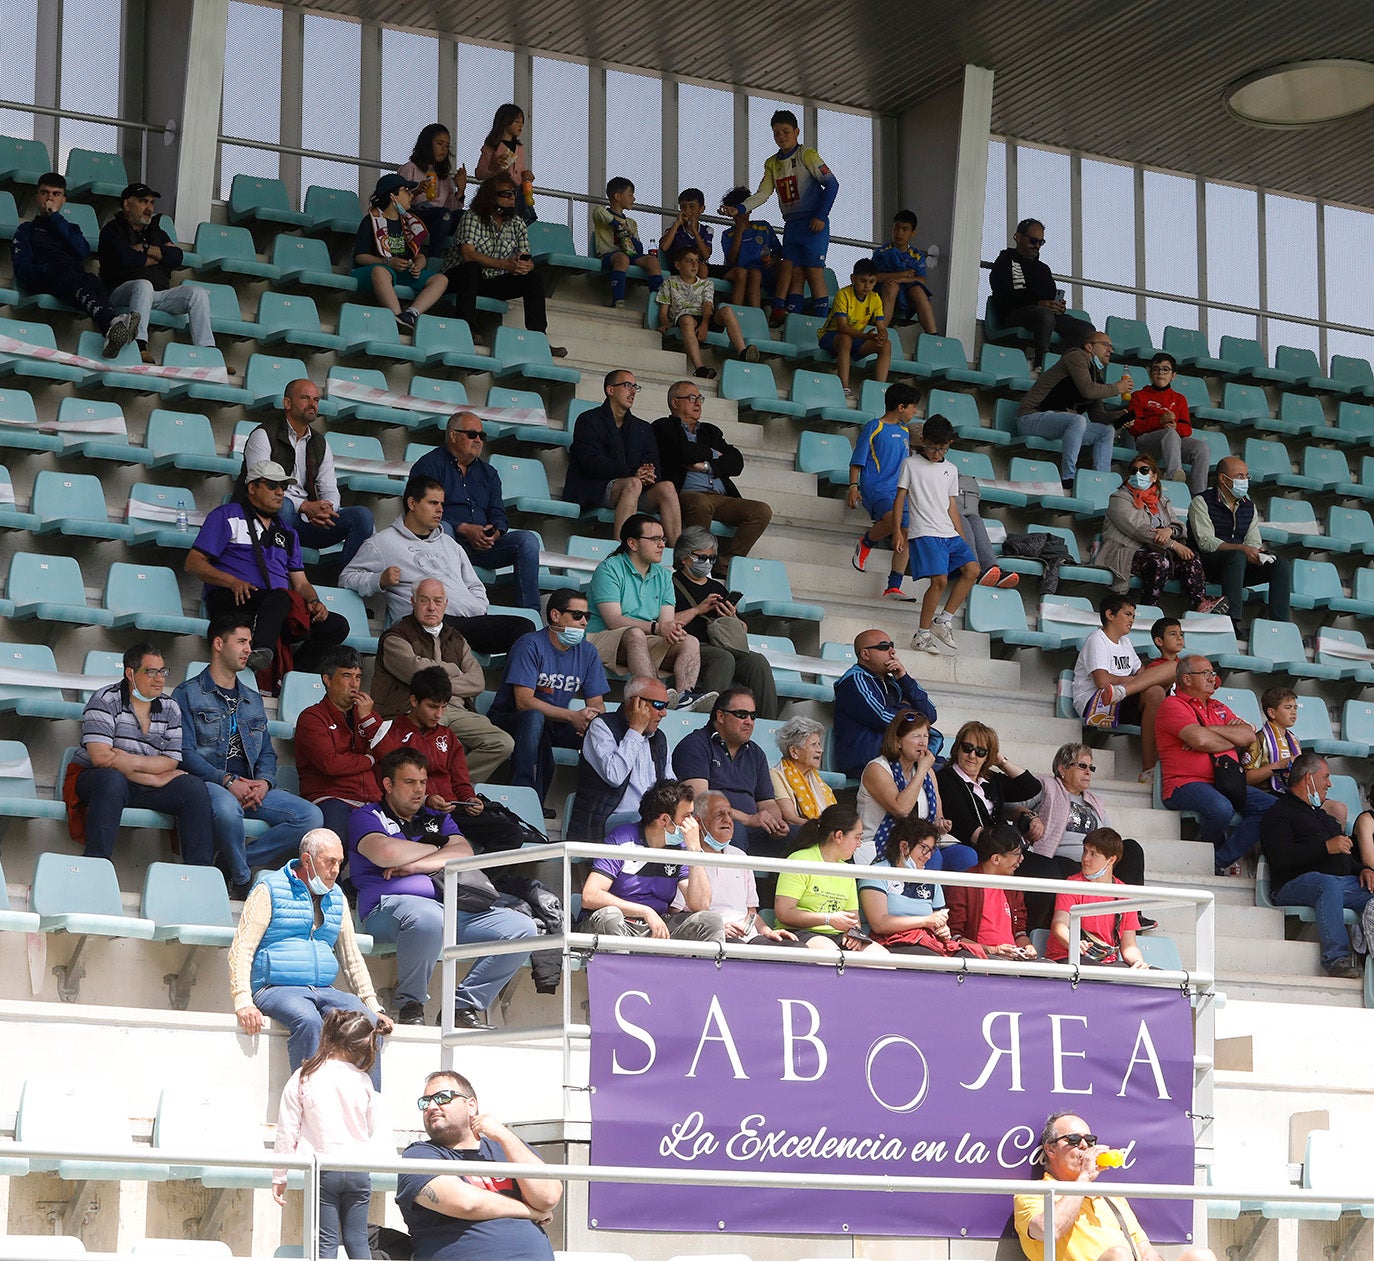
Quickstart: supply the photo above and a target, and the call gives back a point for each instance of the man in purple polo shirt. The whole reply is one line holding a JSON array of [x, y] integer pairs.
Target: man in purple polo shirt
[[250, 562], [630, 897]]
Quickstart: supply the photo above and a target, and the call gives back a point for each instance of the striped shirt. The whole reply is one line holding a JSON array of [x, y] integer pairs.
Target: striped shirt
[[497, 237], [109, 718]]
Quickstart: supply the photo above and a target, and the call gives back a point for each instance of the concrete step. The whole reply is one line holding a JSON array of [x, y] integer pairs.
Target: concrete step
[[1315, 990]]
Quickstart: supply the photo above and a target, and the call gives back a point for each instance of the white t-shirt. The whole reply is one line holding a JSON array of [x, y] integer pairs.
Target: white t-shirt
[[929, 488], [1099, 653], [733, 890]]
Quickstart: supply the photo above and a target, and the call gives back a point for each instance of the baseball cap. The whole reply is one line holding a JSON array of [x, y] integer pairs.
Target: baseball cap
[[389, 184], [138, 190], [268, 471]]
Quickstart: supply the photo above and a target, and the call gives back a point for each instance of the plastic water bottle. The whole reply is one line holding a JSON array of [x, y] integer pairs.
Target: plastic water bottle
[[1110, 1158], [932, 258], [182, 517]]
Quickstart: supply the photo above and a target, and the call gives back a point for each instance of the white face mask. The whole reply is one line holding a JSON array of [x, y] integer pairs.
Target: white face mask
[[434, 630], [1102, 873], [712, 842], [674, 838], [317, 886]]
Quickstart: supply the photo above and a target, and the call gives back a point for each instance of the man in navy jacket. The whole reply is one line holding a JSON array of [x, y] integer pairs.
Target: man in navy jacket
[[868, 696]]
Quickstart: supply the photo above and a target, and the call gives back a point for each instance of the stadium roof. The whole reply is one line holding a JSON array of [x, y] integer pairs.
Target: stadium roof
[[1142, 81]]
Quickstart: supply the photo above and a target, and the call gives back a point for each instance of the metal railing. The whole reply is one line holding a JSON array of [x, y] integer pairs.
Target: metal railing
[[168, 130]]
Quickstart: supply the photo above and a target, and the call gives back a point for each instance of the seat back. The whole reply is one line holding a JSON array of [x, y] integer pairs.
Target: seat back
[[174, 893], [249, 193], [17, 405], [142, 589], [991, 610], [1159, 951], [817, 389], [269, 375], [325, 204], [1356, 418], [1194, 389], [1245, 351], [367, 324], [35, 333], [299, 690], [278, 311], [224, 300], [34, 657], [352, 446], [198, 1117], [518, 800], [586, 548], [740, 380], [940, 352], [347, 604], [88, 167], [1279, 642], [1357, 717], [803, 331], [1184, 343], [83, 217], [165, 498], [823, 453], [1129, 336], [976, 464], [753, 323], [47, 579], [1317, 579], [521, 477], [24, 159], [1001, 361], [520, 345], [1298, 360], [446, 333], [1314, 720], [1247, 400], [109, 416], [1352, 371], [67, 884], [300, 253], [447, 394], [1297, 515], [1326, 465], [759, 579], [1302, 409], [1352, 524], [961, 410], [1096, 487], [1241, 702], [68, 497], [215, 241], [179, 433], [1266, 460]]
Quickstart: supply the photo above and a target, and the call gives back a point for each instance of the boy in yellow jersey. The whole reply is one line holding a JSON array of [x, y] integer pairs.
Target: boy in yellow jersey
[[846, 331]]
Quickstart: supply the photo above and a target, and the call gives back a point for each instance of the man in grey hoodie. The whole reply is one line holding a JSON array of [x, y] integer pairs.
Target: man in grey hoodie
[[415, 547]]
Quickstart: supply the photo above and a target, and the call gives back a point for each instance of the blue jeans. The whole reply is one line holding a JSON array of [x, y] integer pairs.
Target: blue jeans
[[416, 925], [1077, 432], [288, 818], [515, 547], [531, 763], [1215, 818], [353, 528], [1330, 897], [344, 1201], [302, 1009], [106, 794]]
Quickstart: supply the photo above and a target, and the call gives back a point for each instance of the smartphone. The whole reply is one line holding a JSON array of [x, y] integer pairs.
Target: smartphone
[[524, 258], [734, 597], [858, 934]]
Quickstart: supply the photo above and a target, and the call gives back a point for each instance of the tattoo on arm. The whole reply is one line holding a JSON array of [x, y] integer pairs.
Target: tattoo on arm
[[429, 1194]]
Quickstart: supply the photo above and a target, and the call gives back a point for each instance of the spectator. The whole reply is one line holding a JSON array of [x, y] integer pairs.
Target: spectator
[[857, 327], [250, 562], [616, 242], [1096, 1227], [48, 254], [439, 190], [130, 757], [1268, 761], [900, 784], [633, 623], [1313, 862], [938, 549], [229, 749], [705, 609], [823, 910], [752, 251], [1197, 736], [415, 546], [489, 257], [421, 640], [613, 461], [1167, 636], [392, 245], [475, 508], [1065, 404], [734, 892], [1363, 833], [1105, 938], [623, 755], [880, 451], [334, 743], [980, 785], [900, 913], [1024, 293], [1112, 688], [449, 786], [902, 276], [636, 902], [995, 918], [723, 757], [503, 153], [1224, 527], [867, 698], [284, 958], [687, 231], [697, 459], [395, 848], [807, 189], [1158, 423], [464, 1217], [686, 302], [798, 788], [545, 670], [312, 506], [137, 259]]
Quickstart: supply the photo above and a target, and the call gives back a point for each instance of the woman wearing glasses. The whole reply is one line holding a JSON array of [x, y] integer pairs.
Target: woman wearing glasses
[[801, 792], [1143, 537], [978, 784]]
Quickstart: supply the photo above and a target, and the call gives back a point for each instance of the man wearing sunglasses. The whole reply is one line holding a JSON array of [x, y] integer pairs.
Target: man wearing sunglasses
[[465, 1215], [475, 506], [867, 698], [1087, 1227], [1024, 293]]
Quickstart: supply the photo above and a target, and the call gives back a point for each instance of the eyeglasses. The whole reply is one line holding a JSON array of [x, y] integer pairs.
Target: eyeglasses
[[651, 538], [632, 386], [978, 750], [153, 672], [1206, 674], [658, 705], [1035, 240], [1085, 766], [477, 435], [703, 557], [925, 847], [577, 615], [1077, 1140], [440, 1097], [689, 398], [505, 192], [1142, 468], [741, 714], [885, 645]]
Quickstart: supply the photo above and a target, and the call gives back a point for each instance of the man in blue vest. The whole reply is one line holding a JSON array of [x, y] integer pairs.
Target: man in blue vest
[[282, 960]]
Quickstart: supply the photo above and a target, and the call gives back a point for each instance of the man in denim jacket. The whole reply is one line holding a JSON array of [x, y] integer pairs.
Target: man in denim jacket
[[228, 747]]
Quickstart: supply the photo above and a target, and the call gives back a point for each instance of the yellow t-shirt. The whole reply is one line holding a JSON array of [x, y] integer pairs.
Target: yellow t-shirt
[[827, 894], [860, 312], [1094, 1231]]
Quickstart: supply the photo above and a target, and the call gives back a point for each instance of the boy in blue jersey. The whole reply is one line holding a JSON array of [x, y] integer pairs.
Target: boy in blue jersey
[[687, 230], [752, 251], [856, 327], [902, 275], [615, 240], [882, 448], [806, 190]]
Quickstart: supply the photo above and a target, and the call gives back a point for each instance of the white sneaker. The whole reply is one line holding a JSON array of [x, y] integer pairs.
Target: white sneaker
[[119, 334], [1362, 931], [944, 632], [921, 641]]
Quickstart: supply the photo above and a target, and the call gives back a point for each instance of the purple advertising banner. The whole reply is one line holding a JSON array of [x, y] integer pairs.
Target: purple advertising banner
[[782, 1068]]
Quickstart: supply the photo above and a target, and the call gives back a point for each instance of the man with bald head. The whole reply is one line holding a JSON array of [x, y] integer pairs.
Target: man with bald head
[[1224, 527], [474, 508], [312, 506], [868, 696]]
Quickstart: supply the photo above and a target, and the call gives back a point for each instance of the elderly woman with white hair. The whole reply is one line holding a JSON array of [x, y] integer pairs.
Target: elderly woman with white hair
[[801, 792], [704, 607]]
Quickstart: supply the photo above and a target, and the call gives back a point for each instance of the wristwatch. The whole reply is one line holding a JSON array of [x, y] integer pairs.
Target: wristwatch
[[228, 779]]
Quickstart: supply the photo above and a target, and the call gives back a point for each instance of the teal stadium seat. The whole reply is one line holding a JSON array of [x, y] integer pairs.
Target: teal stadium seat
[[12, 921], [1347, 651], [9, 215], [1130, 339], [267, 378], [148, 597], [1249, 354], [152, 511], [1001, 616], [961, 410], [1361, 598], [304, 263], [1293, 523], [1299, 414], [1267, 461], [1316, 583], [377, 413], [23, 435], [203, 1116], [827, 455], [1355, 375], [518, 800], [1215, 637], [54, 1107], [1313, 731], [113, 446], [116, 374], [802, 333], [1189, 349], [40, 336], [33, 700], [1352, 526], [74, 504], [10, 517], [226, 319], [1240, 405], [185, 440], [1354, 424], [525, 485], [1007, 365], [753, 327], [230, 250], [525, 353], [1325, 471], [753, 387], [292, 318], [1303, 364], [944, 359], [23, 161], [256, 199], [19, 797], [90, 171], [333, 209], [349, 605], [447, 340], [1280, 645], [789, 682], [767, 590], [552, 244], [353, 450], [298, 691], [189, 905], [372, 331], [822, 397], [51, 589]]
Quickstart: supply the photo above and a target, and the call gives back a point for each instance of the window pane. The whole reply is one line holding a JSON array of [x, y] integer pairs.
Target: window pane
[[410, 64], [1042, 192], [252, 92], [557, 126], [1100, 303], [486, 81], [1305, 336], [1349, 241], [1171, 244], [91, 51], [1357, 345], [18, 66], [1232, 248], [1159, 313], [1290, 231], [1108, 217], [634, 147], [330, 77], [847, 139], [704, 159], [995, 238]]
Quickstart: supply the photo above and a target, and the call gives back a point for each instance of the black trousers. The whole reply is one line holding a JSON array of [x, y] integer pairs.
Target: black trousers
[[269, 610], [467, 284]]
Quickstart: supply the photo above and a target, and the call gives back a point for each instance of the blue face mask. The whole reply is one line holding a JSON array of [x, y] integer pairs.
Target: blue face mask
[[317, 886], [674, 838], [1100, 874], [1314, 799], [712, 842], [147, 700], [1240, 487], [1142, 481], [570, 636]]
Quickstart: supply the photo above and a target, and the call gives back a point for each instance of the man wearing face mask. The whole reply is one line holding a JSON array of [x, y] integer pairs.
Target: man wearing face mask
[[1224, 526], [282, 960], [1313, 863], [1106, 938], [545, 671]]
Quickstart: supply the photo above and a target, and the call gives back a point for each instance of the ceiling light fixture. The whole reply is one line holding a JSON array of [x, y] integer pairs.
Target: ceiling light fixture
[[1302, 93]]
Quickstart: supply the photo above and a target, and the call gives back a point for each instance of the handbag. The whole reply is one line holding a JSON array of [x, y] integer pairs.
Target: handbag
[[724, 632], [1228, 777], [497, 828]]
